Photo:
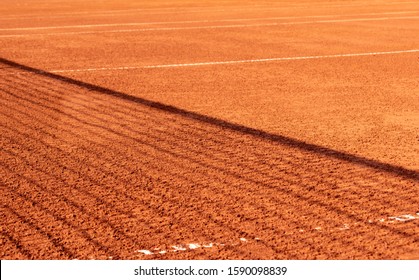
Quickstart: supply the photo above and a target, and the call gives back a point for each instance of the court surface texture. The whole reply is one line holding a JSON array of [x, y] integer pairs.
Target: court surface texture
[[209, 129]]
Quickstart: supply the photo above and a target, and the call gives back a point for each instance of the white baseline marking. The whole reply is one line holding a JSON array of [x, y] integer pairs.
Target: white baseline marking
[[198, 21], [211, 26], [233, 61]]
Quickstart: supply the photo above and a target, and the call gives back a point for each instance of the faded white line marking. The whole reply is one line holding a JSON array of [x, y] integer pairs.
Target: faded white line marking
[[178, 248], [234, 61], [194, 246], [388, 220], [184, 10], [188, 247], [145, 252], [197, 21], [344, 227], [403, 218], [195, 9], [208, 245], [208, 27], [209, 63]]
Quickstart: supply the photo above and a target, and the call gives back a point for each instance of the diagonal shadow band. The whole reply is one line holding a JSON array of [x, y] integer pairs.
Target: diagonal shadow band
[[284, 140]]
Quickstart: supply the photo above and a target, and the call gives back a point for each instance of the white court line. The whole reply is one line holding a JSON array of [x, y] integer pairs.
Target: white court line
[[176, 9], [196, 64], [195, 10], [198, 21], [232, 62], [112, 12], [208, 27]]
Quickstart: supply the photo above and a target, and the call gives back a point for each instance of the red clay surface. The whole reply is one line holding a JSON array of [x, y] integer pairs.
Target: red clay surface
[[107, 152]]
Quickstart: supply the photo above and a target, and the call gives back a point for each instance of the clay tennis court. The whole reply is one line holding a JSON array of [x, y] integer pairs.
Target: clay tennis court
[[209, 129]]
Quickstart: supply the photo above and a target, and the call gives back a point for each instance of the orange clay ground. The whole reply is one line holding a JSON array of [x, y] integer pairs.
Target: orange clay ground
[[209, 129]]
